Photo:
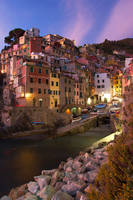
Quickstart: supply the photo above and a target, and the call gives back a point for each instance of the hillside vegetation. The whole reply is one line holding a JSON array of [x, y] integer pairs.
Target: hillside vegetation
[[121, 45]]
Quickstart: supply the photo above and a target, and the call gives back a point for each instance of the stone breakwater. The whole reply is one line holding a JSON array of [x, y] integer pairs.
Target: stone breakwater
[[70, 181]]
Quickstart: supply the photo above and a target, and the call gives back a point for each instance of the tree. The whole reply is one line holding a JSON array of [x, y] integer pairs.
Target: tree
[[13, 36]]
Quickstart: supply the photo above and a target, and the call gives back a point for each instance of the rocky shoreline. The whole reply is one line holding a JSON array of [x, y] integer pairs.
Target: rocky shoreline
[[70, 181]]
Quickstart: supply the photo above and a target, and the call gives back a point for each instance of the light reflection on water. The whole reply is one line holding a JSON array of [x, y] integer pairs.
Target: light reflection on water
[[22, 159]]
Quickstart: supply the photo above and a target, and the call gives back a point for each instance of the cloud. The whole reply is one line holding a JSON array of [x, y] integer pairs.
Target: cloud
[[120, 23], [79, 20]]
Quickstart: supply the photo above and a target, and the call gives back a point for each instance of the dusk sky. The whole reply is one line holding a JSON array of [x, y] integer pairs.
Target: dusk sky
[[85, 21]]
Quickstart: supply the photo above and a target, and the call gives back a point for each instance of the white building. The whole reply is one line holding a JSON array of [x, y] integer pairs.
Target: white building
[[103, 86], [127, 62]]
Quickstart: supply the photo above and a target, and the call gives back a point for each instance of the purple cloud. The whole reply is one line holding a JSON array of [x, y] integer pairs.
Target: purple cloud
[[120, 23], [81, 21]]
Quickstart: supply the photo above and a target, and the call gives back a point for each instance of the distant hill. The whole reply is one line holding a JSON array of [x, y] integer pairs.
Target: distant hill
[[121, 45]]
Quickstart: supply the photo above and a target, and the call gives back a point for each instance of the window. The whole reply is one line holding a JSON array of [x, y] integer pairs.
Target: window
[[59, 92], [31, 80], [69, 89], [31, 69], [39, 70], [39, 80], [52, 83], [31, 90], [44, 91], [65, 80], [39, 91], [69, 81], [65, 89], [47, 81], [49, 91], [98, 81], [81, 95], [102, 86], [46, 71], [98, 86], [56, 83], [97, 76], [56, 92], [77, 93], [103, 81]]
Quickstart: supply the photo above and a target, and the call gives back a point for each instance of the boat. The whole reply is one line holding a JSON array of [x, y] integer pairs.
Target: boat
[[101, 106]]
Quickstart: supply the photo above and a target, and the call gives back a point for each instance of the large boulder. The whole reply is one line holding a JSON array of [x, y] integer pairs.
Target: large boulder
[[69, 163], [59, 185], [92, 175], [46, 193], [57, 176], [80, 196], [61, 196], [73, 187], [42, 180], [33, 187], [18, 192], [49, 172], [30, 196], [5, 198], [76, 164]]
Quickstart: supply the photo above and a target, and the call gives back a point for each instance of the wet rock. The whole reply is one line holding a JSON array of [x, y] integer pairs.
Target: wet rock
[[76, 165], [87, 189], [5, 198], [57, 176], [83, 197], [61, 196], [49, 172], [46, 193], [78, 195], [84, 177], [82, 169], [18, 192], [61, 165], [30, 196], [71, 176], [73, 187], [33, 187], [68, 164], [86, 156], [42, 180], [68, 159], [68, 169], [59, 185], [92, 175], [21, 198]]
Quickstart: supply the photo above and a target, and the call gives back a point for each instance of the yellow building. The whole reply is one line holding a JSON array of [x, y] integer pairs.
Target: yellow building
[[116, 82], [55, 90]]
